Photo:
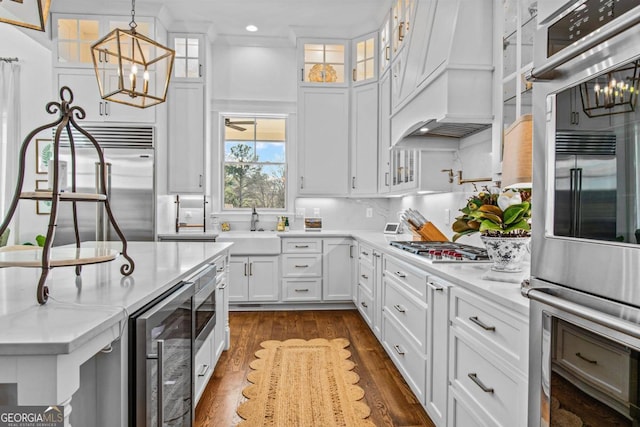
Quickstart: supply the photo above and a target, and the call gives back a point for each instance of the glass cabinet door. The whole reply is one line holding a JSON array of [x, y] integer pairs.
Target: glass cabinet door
[[324, 63], [75, 37], [364, 58], [189, 60]]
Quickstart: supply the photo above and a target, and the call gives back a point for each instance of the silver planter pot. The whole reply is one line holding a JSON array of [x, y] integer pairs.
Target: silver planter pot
[[506, 253]]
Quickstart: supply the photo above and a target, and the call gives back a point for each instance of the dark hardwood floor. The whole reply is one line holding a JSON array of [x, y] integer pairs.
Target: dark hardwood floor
[[391, 401]]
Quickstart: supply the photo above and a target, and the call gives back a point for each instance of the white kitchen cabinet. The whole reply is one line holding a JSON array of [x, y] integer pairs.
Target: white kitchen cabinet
[[189, 61], [488, 359], [369, 287], [73, 35], [384, 45], [337, 271], [364, 67], [202, 366], [323, 62], [437, 350], [186, 139], [86, 94], [384, 134], [401, 23], [323, 166], [570, 115], [221, 330], [302, 265], [364, 140], [254, 278]]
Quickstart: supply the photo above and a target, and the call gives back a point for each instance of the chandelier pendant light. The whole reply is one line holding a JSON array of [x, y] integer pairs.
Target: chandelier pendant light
[[30, 14], [613, 93], [131, 68]]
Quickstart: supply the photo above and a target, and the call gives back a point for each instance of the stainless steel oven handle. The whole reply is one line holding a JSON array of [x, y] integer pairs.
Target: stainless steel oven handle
[[587, 313], [545, 72]]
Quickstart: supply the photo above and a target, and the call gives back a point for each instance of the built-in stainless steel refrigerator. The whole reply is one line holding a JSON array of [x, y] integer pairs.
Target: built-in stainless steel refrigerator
[[585, 182], [129, 158]]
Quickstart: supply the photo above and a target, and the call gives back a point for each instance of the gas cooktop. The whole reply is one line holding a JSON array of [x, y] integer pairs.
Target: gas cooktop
[[444, 251]]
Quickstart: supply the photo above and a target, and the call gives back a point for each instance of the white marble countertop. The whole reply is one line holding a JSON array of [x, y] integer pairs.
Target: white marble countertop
[[189, 235], [82, 307], [466, 275]]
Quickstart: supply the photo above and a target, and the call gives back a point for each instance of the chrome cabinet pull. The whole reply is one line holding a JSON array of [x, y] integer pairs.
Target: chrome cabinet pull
[[593, 362], [480, 323], [302, 246], [101, 113], [302, 290], [365, 253], [398, 350], [400, 308], [474, 378], [377, 255], [159, 356], [435, 287], [200, 180], [364, 276], [302, 266], [203, 370], [301, 74], [199, 70], [353, 74], [245, 268], [350, 251], [250, 269], [106, 108], [400, 274], [386, 175], [364, 304], [353, 182]]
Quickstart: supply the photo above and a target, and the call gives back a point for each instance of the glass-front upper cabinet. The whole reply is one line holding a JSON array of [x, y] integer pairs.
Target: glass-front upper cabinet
[[384, 45], [364, 59], [402, 16], [189, 60], [519, 25], [73, 35], [323, 63], [404, 164]]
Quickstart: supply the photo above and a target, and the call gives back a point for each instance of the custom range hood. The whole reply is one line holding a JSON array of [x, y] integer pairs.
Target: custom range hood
[[445, 89]]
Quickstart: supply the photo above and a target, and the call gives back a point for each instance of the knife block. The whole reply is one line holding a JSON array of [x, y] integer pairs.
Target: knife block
[[428, 233]]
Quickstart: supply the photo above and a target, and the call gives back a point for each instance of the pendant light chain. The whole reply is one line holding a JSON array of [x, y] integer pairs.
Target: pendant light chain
[[133, 23]]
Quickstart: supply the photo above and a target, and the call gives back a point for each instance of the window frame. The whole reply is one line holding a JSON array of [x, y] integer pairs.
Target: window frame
[[286, 163]]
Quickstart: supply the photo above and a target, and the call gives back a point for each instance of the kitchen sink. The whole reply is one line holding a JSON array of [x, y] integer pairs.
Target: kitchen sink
[[251, 242]]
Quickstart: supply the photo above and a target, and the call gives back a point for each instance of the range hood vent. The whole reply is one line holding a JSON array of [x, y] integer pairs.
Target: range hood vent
[[444, 90], [449, 130]]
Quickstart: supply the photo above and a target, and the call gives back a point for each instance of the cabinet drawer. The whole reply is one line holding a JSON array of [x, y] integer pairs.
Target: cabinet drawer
[[409, 361], [413, 279], [302, 289], [365, 252], [202, 366], [366, 275], [492, 325], [301, 246], [491, 387], [410, 312], [462, 413], [365, 304], [294, 265], [601, 364]]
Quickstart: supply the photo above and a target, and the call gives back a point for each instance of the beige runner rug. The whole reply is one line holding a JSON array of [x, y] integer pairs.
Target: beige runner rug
[[303, 384]]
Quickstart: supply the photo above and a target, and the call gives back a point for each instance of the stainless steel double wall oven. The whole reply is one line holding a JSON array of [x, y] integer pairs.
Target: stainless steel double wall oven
[[585, 284]]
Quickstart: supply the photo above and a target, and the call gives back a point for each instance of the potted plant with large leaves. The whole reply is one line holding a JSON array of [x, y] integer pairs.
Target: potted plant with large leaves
[[503, 220]]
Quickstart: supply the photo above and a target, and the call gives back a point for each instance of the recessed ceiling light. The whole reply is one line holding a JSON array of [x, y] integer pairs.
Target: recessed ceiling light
[[251, 28]]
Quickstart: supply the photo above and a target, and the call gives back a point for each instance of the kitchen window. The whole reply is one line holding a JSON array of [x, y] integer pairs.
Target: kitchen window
[[255, 168]]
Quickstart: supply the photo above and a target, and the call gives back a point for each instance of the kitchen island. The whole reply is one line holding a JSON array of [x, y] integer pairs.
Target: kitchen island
[[78, 340]]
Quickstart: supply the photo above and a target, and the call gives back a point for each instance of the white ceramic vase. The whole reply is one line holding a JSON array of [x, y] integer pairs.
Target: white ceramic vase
[[506, 253]]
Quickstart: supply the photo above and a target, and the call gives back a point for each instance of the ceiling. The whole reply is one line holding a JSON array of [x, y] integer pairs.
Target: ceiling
[[274, 18]]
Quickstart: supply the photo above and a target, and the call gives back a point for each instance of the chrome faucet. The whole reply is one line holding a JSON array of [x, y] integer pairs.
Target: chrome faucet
[[254, 219]]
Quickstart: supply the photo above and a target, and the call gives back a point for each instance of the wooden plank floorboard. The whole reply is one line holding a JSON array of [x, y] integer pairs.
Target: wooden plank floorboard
[[391, 401]]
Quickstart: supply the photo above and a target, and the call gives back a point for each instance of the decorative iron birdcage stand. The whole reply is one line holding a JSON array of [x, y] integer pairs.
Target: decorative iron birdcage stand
[[50, 257]]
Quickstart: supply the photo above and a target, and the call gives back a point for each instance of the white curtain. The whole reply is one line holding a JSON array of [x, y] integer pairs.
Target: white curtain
[[9, 130]]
